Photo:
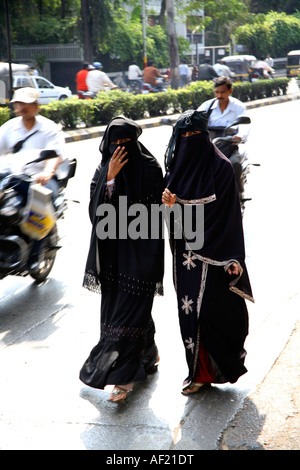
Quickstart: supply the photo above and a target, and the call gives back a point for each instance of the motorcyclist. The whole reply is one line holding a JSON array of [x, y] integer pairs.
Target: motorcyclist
[[135, 74], [151, 74], [224, 109], [263, 68], [97, 80], [29, 131]]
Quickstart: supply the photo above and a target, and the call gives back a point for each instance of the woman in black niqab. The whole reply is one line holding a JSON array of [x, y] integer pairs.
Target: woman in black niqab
[[127, 271], [211, 282]]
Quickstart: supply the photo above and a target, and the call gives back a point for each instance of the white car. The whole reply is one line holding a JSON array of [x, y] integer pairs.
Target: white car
[[48, 91]]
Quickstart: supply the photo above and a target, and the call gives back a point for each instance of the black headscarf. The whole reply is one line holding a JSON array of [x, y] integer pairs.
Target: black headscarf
[[135, 266], [198, 173]]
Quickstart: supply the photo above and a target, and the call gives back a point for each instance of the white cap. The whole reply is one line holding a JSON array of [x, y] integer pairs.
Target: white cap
[[26, 95]]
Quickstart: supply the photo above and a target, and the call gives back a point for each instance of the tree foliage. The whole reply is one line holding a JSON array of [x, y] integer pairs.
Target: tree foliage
[[274, 33]]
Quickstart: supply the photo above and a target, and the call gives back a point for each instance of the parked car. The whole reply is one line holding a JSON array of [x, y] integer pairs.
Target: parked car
[[23, 78], [293, 64], [17, 69], [48, 91]]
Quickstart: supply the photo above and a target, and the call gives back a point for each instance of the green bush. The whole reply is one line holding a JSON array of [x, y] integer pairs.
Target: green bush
[[72, 112], [5, 114]]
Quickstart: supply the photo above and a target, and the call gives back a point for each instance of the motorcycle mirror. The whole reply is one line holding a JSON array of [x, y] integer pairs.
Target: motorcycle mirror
[[240, 120], [44, 155]]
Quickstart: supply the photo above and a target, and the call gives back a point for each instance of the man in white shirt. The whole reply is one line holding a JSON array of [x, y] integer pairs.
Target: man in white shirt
[[21, 136], [184, 73], [97, 80], [30, 131], [222, 69], [224, 108], [263, 68], [134, 72]]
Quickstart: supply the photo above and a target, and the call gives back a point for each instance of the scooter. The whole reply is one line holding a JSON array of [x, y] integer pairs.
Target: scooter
[[260, 74], [86, 95], [223, 138], [26, 220], [147, 88], [134, 86]]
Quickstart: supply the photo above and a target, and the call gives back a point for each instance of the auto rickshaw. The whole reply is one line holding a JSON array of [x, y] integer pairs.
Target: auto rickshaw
[[293, 64], [241, 66], [4, 78]]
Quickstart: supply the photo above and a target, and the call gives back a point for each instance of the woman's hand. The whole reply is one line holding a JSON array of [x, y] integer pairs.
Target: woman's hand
[[116, 163], [233, 269], [168, 198]]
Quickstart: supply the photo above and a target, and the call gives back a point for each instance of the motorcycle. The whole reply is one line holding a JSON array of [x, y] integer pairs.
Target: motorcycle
[[223, 138], [26, 220], [86, 95], [134, 86], [147, 88], [260, 74]]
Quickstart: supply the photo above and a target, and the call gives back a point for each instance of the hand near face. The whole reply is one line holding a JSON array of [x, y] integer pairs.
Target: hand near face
[[117, 161]]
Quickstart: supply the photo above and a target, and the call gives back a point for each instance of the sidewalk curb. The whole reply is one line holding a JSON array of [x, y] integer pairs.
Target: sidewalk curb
[[93, 132]]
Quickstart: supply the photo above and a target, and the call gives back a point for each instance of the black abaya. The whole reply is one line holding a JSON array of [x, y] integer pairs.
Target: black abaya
[[211, 303], [128, 272]]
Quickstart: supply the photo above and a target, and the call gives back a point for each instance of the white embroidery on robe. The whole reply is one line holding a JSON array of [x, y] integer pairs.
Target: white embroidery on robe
[[189, 260], [187, 305], [189, 344]]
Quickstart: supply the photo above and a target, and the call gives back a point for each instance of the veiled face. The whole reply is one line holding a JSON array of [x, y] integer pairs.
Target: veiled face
[[121, 141], [189, 133]]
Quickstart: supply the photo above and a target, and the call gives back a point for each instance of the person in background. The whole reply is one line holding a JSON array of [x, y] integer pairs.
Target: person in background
[[134, 72], [206, 71], [151, 74], [269, 61], [29, 131], [223, 70], [211, 279], [195, 73], [81, 76], [263, 68], [224, 109], [97, 80], [184, 74]]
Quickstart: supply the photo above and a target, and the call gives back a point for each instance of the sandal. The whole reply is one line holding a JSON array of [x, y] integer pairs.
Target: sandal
[[118, 395], [191, 389]]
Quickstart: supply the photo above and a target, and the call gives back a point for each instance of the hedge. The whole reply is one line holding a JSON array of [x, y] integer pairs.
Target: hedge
[[73, 112]]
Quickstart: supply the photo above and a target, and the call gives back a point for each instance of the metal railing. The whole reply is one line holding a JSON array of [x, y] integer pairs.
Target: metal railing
[[52, 52]]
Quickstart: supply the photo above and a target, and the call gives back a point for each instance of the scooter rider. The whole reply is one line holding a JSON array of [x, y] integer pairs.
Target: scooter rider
[[224, 109], [97, 80], [30, 131], [151, 74]]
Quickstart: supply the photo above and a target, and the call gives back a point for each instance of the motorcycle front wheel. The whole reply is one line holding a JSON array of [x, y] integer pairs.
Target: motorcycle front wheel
[[48, 256]]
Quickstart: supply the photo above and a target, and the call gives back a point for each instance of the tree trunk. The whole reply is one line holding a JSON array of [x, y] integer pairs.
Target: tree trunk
[[162, 12], [173, 45]]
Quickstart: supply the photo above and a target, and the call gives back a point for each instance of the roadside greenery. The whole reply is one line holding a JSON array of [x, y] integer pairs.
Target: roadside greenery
[[274, 33], [73, 112], [109, 33]]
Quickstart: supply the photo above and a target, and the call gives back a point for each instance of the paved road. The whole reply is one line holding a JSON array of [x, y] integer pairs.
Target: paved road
[[47, 331]]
